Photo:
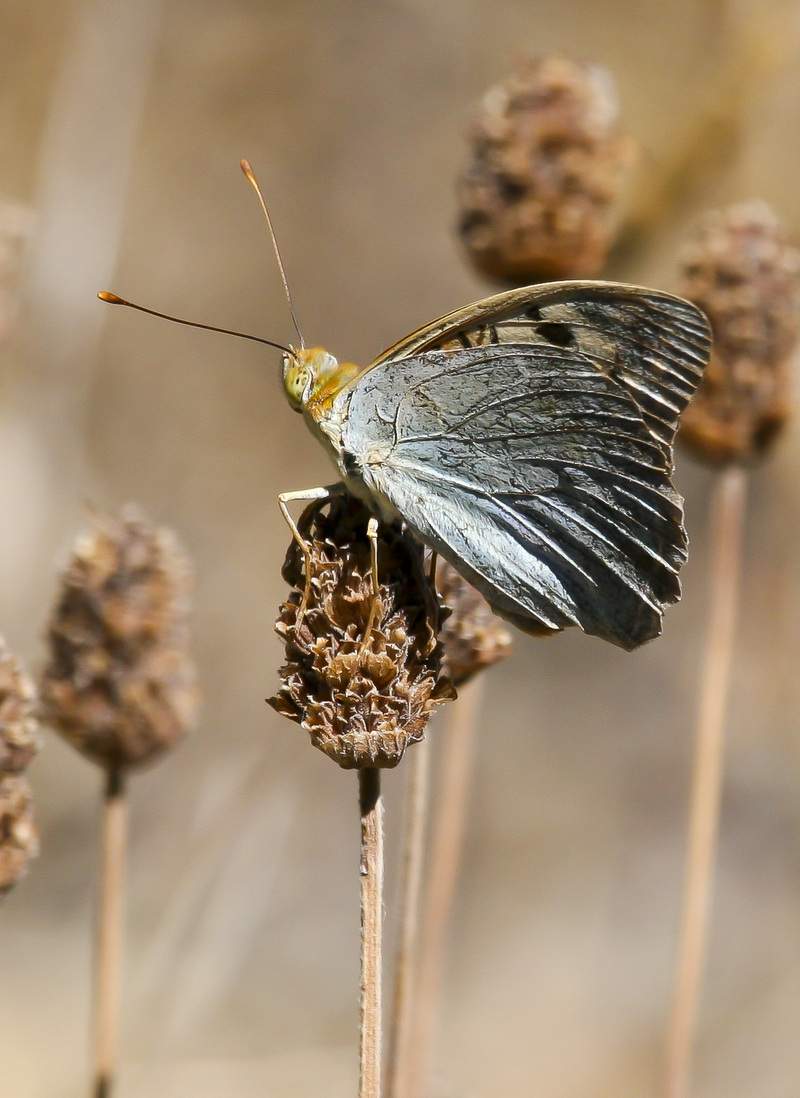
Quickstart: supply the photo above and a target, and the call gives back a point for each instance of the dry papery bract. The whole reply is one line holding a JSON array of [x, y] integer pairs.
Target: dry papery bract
[[472, 635], [19, 740], [361, 705], [741, 272], [119, 684], [19, 838], [538, 200]]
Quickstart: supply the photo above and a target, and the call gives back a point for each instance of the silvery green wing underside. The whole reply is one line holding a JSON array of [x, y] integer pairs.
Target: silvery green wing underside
[[541, 469]]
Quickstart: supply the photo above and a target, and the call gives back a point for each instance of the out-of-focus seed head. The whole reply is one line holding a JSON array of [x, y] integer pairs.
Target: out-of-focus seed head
[[19, 739], [473, 637], [741, 272], [19, 839], [539, 198], [361, 707], [119, 684]]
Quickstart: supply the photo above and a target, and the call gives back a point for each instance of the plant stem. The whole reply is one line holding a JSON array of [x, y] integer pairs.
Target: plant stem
[[728, 511], [400, 1036], [447, 842], [371, 808], [109, 932]]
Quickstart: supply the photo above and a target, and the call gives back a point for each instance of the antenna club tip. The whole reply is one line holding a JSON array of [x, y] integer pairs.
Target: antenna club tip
[[112, 299], [245, 166]]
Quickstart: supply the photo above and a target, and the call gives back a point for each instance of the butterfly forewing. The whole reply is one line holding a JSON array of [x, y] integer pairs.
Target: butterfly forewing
[[654, 344], [529, 439]]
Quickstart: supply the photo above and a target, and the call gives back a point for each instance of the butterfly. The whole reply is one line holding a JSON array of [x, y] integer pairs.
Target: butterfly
[[527, 438]]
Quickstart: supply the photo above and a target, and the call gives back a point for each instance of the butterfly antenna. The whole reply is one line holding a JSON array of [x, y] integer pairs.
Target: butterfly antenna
[[248, 171], [112, 299]]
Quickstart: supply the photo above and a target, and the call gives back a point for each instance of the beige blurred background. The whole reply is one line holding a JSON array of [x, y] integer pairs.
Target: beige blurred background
[[122, 123]]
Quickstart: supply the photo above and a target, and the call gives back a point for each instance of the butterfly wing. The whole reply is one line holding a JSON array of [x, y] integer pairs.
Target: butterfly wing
[[530, 443], [654, 344]]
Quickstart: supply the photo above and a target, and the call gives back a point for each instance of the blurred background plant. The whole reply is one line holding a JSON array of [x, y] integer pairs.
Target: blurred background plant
[[120, 687], [123, 126]]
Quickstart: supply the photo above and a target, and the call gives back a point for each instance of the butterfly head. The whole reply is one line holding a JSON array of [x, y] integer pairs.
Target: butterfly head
[[305, 372], [312, 376]]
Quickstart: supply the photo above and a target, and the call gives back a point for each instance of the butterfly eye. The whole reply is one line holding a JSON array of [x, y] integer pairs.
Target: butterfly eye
[[296, 379]]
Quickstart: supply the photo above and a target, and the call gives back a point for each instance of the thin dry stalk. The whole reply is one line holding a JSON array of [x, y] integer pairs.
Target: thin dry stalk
[[728, 511], [416, 816], [447, 841], [109, 932], [371, 808]]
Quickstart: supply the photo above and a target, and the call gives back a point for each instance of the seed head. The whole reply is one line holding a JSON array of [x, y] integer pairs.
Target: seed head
[[473, 637], [119, 684], [538, 199], [361, 705], [741, 272]]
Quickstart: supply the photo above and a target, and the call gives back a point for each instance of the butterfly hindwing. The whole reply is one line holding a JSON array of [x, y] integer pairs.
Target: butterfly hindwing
[[532, 448]]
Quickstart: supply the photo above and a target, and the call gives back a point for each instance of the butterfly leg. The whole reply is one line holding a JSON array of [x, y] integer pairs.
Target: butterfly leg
[[375, 608], [306, 495]]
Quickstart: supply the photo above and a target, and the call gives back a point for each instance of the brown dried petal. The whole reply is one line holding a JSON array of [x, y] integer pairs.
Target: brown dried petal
[[741, 272], [546, 167], [362, 707], [19, 839], [18, 726], [119, 684]]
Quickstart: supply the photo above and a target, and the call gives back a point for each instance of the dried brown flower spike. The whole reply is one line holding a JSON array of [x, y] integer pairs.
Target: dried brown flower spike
[[119, 684], [538, 199], [363, 684], [360, 708], [741, 272], [120, 687], [19, 840]]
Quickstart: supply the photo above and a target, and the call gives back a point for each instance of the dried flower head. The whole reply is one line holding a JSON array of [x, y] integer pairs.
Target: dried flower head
[[362, 705], [538, 199], [119, 684], [19, 839], [19, 741], [740, 270], [473, 637]]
